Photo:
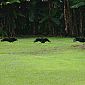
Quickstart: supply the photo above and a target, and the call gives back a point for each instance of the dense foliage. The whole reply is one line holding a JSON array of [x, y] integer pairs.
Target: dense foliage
[[35, 17]]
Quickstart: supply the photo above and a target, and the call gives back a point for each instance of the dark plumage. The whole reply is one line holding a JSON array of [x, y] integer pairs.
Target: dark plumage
[[5, 39], [37, 39], [9, 39], [42, 40], [79, 39]]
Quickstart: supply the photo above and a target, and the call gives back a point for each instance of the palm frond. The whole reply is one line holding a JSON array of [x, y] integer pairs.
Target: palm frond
[[78, 5]]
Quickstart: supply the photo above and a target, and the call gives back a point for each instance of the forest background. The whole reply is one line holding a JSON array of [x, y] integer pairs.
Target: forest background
[[42, 17]]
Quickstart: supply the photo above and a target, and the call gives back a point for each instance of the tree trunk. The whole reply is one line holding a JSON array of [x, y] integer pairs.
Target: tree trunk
[[81, 27], [49, 20], [67, 18]]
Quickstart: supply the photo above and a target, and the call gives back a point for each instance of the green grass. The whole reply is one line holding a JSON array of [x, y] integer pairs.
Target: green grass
[[61, 62]]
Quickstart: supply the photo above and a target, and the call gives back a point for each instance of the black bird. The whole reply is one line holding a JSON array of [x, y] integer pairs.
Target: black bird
[[79, 39], [5, 39], [42, 40], [9, 39]]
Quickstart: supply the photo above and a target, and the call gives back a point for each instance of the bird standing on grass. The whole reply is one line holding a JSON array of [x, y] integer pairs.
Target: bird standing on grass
[[42, 40], [79, 40], [9, 39]]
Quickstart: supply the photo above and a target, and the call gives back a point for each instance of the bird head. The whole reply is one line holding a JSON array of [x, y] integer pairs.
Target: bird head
[[74, 40]]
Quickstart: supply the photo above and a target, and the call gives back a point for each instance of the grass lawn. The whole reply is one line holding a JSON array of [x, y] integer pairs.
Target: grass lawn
[[61, 62]]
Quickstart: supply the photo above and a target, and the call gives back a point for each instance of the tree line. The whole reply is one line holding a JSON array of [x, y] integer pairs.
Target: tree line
[[42, 17]]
